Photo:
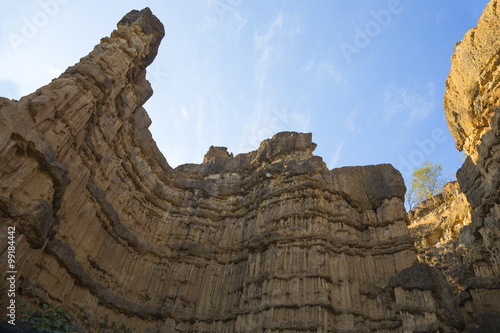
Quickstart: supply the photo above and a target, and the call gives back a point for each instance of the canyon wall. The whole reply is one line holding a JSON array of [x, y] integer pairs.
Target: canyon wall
[[472, 106], [267, 241], [457, 231], [440, 228]]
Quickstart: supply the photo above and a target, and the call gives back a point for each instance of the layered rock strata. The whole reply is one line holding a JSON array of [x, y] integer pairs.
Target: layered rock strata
[[472, 105], [440, 228], [267, 241]]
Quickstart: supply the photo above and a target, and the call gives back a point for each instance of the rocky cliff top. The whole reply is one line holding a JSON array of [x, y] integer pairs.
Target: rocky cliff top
[[282, 147], [289, 154]]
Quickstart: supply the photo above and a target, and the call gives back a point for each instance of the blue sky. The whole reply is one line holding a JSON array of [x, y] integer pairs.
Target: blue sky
[[367, 78]]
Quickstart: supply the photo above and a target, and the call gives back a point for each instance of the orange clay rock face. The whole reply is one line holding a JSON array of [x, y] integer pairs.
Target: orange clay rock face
[[267, 241], [472, 105]]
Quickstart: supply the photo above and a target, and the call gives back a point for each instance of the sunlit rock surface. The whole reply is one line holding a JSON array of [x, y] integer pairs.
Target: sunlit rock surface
[[472, 108], [440, 228]]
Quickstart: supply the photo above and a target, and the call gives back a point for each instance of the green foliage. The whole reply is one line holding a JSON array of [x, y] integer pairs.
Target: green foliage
[[113, 327], [411, 198], [46, 319], [426, 181]]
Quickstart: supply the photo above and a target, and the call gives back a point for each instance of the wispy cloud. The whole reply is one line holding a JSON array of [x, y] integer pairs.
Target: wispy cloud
[[308, 65], [264, 125], [336, 155], [326, 72], [270, 46], [239, 24], [265, 45], [185, 114], [415, 101], [350, 122], [200, 123], [439, 17], [301, 120], [226, 14], [54, 71], [322, 71]]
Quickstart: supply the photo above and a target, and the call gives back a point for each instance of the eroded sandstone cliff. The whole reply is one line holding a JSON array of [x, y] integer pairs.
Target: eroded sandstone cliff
[[457, 231], [472, 105], [440, 228], [267, 241]]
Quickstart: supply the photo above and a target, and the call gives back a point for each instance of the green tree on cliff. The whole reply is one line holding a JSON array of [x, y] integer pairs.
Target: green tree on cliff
[[426, 181]]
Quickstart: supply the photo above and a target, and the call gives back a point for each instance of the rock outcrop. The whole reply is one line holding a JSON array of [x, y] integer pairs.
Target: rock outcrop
[[270, 240], [472, 105], [440, 228]]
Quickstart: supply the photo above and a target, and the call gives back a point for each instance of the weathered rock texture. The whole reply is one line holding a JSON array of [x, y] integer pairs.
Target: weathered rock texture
[[266, 241], [472, 105], [440, 228]]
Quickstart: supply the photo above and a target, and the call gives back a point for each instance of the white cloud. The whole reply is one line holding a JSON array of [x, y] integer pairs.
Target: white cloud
[[350, 122], [326, 71], [200, 124], [270, 45], [240, 23], [417, 102], [439, 17], [310, 64], [322, 71], [226, 14], [301, 120], [268, 117], [266, 44], [263, 125], [54, 71], [185, 114], [336, 155]]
